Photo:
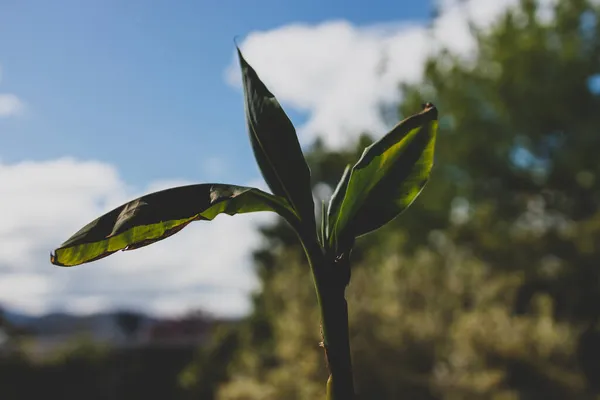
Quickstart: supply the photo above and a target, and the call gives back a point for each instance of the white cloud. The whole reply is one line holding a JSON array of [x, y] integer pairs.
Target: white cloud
[[215, 167], [207, 265], [10, 105], [331, 72], [341, 74]]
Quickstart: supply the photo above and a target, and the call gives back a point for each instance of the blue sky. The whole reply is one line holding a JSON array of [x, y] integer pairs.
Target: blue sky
[[140, 84], [103, 101]]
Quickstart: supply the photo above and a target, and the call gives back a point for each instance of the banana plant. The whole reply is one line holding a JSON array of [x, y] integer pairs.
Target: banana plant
[[386, 179]]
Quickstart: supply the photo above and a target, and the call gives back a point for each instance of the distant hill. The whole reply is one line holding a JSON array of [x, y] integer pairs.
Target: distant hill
[[100, 325], [105, 326], [16, 318]]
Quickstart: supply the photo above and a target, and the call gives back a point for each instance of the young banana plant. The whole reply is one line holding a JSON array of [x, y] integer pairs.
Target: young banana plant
[[382, 184]]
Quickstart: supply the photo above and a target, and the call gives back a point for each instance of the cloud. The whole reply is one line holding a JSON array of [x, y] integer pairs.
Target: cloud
[[215, 167], [337, 73], [10, 105], [207, 265], [341, 75]]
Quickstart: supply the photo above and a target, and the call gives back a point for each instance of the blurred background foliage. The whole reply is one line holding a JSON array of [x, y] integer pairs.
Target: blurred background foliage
[[487, 288]]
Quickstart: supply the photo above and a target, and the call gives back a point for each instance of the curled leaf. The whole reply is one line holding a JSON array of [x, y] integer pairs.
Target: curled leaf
[[387, 179], [158, 215]]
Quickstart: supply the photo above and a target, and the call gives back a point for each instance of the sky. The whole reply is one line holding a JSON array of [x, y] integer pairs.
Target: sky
[[102, 101]]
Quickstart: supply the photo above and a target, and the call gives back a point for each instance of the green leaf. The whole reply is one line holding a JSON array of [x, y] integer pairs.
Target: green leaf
[[388, 177], [336, 199], [323, 233], [276, 147], [158, 215]]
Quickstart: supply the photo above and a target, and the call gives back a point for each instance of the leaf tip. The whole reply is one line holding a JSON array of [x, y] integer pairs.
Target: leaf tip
[[235, 41], [430, 108], [54, 260], [241, 58]]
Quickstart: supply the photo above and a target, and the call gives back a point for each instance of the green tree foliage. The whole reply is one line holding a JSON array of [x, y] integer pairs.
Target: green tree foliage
[[490, 286]]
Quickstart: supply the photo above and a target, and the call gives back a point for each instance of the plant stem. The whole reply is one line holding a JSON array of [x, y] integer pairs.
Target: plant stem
[[331, 279], [336, 341]]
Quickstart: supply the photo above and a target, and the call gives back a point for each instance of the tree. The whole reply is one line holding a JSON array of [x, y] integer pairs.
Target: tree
[[489, 287]]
